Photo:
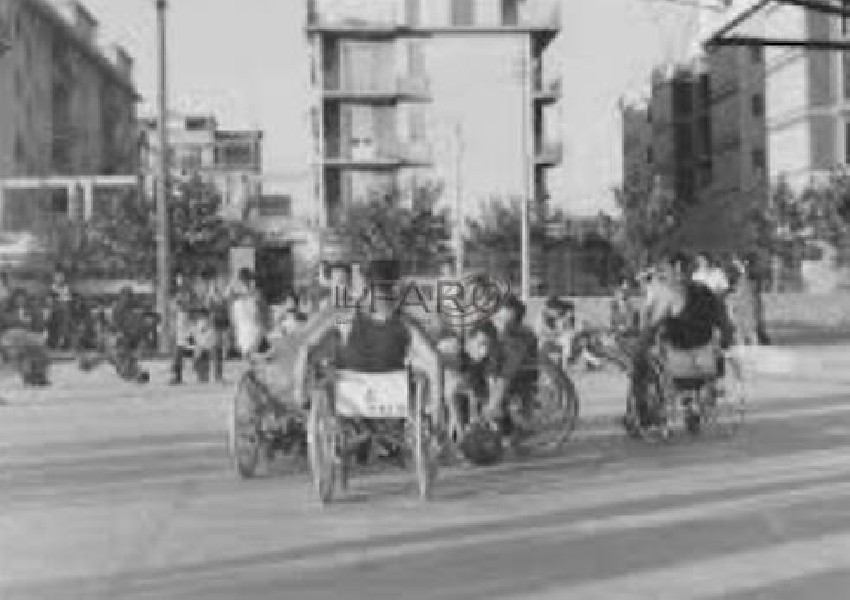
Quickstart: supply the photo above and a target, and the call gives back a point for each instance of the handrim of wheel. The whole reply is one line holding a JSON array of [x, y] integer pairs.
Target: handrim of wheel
[[423, 461], [321, 447], [244, 438]]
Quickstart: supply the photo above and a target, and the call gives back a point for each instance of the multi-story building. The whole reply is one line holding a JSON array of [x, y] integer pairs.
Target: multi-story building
[[231, 161], [454, 92], [803, 94], [638, 152], [667, 136], [68, 106]]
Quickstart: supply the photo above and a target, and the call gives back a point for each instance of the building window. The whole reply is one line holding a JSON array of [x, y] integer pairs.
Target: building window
[[847, 143], [463, 12], [845, 75], [758, 105], [759, 159], [682, 97], [756, 54], [649, 156], [845, 21], [705, 90]]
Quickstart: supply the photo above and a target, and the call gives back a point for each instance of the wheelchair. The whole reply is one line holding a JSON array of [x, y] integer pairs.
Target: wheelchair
[[698, 389], [393, 407], [542, 410]]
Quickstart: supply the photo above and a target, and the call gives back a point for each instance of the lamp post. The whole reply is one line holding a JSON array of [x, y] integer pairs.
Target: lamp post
[[163, 250]]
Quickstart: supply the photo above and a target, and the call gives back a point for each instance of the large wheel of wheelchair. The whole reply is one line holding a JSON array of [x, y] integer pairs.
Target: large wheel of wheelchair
[[244, 429], [557, 404], [424, 461], [321, 440]]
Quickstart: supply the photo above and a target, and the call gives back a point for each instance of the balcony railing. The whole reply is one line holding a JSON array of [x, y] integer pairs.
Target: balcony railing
[[550, 152], [386, 155], [402, 87], [547, 89], [389, 16]]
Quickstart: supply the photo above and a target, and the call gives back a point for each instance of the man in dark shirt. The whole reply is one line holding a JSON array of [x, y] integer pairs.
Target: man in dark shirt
[[379, 340]]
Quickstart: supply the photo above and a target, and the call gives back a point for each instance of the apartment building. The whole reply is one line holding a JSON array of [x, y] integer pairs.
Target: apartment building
[[231, 161], [638, 151], [667, 135], [806, 93], [454, 92], [68, 106]]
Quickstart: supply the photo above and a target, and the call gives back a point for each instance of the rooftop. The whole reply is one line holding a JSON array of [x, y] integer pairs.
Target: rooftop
[[51, 11]]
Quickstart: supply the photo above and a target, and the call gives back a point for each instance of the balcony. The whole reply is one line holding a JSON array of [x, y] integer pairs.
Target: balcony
[[389, 18], [403, 89], [549, 153], [547, 91], [391, 156]]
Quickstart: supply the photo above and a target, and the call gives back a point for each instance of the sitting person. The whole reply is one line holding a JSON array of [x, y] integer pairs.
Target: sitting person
[[685, 314], [515, 348], [466, 378], [379, 339]]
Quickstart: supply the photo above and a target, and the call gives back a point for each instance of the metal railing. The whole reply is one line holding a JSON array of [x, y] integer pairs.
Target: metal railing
[[538, 14], [551, 86], [403, 85], [550, 151]]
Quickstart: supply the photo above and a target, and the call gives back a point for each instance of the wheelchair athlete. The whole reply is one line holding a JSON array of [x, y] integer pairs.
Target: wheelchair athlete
[[682, 313], [374, 337]]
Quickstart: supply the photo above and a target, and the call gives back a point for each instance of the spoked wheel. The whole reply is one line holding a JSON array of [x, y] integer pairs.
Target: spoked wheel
[[321, 440], [424, 460], [556, 406], [244, 430]]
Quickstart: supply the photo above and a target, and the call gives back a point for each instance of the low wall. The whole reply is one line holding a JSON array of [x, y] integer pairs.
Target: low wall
[[821, 310]]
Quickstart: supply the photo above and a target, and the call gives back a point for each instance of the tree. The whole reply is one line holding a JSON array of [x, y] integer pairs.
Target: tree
[[649, 218], [118, 243], [200, 235], [121, 243], [384, 228]]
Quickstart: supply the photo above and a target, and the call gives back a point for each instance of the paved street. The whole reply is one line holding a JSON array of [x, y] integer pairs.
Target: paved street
[[113, 491]]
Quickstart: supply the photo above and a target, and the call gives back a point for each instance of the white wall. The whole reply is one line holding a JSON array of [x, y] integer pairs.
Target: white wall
[[474, 81]]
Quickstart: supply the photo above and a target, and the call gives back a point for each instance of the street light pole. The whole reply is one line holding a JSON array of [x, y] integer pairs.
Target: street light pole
[[525, 242], [163, 250], [458, 229]]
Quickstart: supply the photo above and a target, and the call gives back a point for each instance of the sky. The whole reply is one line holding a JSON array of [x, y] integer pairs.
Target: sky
[[246, 62]]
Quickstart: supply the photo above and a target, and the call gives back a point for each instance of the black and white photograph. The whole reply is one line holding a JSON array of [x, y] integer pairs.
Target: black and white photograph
[[424, 299]]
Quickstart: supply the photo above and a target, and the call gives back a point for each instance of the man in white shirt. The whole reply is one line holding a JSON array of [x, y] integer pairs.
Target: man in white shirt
[[710, 275]]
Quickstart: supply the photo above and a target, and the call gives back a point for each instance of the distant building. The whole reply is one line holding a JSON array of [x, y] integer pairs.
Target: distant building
[[232, 161], [410, 92], [67, 111], [802, 95]]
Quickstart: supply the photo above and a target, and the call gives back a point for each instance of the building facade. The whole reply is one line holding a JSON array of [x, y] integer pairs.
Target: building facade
[[414, 92], [68, 106], [806, 93], [231, 161]]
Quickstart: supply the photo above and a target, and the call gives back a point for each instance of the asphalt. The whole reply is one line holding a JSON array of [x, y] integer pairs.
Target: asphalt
[[110, 490]]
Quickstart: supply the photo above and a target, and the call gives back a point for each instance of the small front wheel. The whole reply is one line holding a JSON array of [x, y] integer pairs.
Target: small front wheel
[[321, 440], [244, 430], [424, 460]]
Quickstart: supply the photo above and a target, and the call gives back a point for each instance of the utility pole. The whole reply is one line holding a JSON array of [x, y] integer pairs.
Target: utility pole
[[458, 229], [163, 250], [525, 242]]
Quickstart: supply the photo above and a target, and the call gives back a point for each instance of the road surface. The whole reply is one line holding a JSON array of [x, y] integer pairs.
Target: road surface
[[109, 491]]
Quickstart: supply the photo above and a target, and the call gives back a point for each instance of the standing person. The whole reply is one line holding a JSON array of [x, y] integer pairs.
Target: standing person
[[216, 304], [710, 274], [65, 299], [5, 289], [183, 303], [249, 313]]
